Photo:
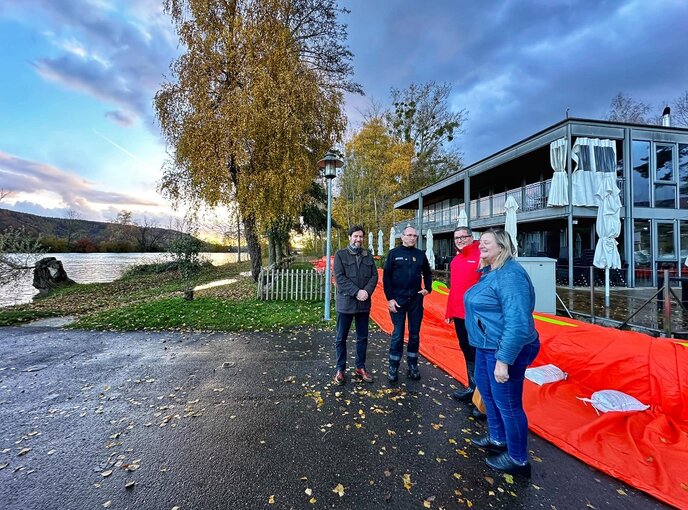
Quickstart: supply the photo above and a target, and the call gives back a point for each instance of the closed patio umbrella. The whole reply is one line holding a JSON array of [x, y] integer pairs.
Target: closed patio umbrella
[[428, 249], [608, 228], [380, 240], [559, 190], [510, 207], [371, 248], [392, 238], [463, 219]]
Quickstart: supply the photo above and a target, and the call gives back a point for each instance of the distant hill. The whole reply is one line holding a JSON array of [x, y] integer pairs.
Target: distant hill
[[101, 235]]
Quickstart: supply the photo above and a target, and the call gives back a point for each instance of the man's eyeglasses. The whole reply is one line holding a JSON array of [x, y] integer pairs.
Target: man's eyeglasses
[[463, 237]]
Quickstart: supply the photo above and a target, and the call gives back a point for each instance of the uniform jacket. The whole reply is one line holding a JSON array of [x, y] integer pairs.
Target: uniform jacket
[[351, 276], [463, 275], [499, 311], [406, 269]]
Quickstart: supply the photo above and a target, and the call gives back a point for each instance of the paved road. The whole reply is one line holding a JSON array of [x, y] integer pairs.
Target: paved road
[[214, 421]]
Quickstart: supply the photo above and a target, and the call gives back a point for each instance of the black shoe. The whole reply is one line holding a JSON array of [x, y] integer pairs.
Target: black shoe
[[393, 374], [463, 394], [413, 372], [477, 414], [488, 444], [503, 462]]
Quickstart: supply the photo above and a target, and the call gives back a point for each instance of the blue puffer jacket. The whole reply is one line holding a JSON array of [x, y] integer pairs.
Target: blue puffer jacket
[[499, 311]]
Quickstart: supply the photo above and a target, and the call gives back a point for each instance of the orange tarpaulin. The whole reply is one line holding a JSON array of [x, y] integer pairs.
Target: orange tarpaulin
[[646, 449]]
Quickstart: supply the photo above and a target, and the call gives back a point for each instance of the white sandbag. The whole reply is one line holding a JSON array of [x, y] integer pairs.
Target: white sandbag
[[545, 374], [607, 401]]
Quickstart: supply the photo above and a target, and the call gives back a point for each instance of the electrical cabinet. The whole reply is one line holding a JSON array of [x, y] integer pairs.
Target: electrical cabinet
[[542, 273]]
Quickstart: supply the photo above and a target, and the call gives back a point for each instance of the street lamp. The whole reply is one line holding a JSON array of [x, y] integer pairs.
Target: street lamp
[[330, 163]]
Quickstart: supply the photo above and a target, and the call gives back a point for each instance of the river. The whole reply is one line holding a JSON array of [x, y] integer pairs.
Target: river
[[95, 267]]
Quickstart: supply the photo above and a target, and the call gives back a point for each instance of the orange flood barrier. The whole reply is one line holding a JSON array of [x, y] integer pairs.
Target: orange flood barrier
[[648, 449]]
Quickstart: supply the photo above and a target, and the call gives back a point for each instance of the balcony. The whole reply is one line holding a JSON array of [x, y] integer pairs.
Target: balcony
[[531, 197]]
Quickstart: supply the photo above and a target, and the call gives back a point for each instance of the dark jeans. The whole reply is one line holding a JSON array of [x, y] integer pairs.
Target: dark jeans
[[466, 348], [413, 309], [506, 418], [344, 321]]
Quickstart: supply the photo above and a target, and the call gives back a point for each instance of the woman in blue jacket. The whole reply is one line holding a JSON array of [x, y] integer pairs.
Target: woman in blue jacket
[[499, 320]]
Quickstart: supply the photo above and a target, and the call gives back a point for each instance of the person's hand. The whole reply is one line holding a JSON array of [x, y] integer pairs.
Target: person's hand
[[449, 320], [393, 305], [501, 372], [423, 292], [362, 295]]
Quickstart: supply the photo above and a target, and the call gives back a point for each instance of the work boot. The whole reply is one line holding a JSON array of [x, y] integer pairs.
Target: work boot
[[339, 378], [413, 372], [464, 394], [503, 462], [393, 373]]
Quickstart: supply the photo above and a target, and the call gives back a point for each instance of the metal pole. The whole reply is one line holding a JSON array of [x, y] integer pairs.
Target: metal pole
[[592, 294], [606, 287], [667, 305], [329, 249]]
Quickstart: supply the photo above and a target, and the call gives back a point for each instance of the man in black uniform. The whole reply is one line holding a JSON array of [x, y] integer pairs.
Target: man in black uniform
[[356, 277], [405, 269]]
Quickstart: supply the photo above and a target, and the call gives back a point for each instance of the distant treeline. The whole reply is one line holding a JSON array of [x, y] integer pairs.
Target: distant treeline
[[60, 235]]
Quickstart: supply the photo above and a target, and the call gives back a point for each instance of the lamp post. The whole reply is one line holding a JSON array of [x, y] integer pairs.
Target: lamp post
[[329, 163]]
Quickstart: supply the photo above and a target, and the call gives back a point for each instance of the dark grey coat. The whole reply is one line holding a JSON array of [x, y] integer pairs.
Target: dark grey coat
[[350, 277]]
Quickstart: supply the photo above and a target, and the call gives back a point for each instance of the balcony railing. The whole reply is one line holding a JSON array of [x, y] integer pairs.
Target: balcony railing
[[531, 197]]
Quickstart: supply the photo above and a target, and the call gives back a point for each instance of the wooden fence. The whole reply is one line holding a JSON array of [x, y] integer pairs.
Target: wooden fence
[[291, 284]]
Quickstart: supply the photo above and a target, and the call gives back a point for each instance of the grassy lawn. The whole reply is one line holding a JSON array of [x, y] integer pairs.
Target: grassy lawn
[[145, 299]]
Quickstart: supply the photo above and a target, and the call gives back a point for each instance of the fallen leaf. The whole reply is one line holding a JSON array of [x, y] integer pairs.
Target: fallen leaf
[[489, 480], [106, 473], [406, 477], [23, 451], [107, 504], [388, 472], [457, 476], [391, 433], [421, 452], [3, 466], [312, 501], [339, 489], [309, 492], [622, 492], [536, 458], [271, 499], [130, 484], [509, 478]]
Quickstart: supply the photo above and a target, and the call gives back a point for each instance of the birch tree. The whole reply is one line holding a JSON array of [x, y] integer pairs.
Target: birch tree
[[256, 101]]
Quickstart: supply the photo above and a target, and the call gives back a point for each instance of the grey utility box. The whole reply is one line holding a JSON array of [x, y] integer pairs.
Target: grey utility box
[[542, 272]]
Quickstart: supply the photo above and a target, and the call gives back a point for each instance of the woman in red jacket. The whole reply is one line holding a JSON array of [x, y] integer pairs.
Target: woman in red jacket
[[463, 275]]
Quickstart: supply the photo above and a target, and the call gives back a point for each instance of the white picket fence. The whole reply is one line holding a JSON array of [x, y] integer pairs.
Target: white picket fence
[[291, 284]]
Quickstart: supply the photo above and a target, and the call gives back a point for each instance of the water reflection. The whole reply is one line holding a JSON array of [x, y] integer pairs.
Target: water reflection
[[95, 268]]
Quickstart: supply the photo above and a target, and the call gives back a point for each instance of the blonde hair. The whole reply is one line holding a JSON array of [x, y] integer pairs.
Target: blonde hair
[[503, 240]]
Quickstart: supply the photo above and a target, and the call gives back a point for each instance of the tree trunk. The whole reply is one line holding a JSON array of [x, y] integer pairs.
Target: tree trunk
[[253, 244], [271, 248]]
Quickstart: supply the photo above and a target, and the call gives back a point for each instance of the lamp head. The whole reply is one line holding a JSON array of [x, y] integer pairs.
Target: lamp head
[[330, 163]]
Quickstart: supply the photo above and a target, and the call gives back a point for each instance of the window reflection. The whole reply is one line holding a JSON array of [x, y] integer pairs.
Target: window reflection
[[640, 154], [665, 162], [665, 195], [642, 252], [683, 175]]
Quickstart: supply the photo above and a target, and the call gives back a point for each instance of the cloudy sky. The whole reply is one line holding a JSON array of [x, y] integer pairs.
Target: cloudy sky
[[78, 76]]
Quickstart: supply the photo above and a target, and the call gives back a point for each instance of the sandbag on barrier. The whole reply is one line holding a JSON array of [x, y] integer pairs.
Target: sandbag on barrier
[[646, 449]]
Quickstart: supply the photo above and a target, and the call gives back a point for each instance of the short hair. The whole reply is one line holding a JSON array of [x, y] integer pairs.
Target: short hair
[[503, 240], [467, 229], [355, 228]]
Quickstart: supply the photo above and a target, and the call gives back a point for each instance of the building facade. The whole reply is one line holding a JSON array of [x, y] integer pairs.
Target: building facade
[[555, 177]]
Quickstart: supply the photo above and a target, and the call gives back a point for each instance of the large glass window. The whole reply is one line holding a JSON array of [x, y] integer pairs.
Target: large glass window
[[666, 250], [684, 246], [640, 153], [665, 162], [665, 195], [683, 175], [642, 252]]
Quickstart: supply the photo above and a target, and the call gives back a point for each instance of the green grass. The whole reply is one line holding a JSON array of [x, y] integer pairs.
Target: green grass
[[146, 299], [207, 314]]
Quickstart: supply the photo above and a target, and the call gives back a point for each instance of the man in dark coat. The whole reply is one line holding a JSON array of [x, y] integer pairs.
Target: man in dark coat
[[355, 276], [407, 279]]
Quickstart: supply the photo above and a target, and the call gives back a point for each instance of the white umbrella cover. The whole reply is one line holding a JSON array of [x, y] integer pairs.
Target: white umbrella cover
[[371, 248], [463, 218], [392, 238], [608, 228], [428, 249], [510, 223], [559, 189], [380, 241]]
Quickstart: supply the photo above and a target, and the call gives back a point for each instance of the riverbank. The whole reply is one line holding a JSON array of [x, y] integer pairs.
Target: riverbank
[[143, 300]]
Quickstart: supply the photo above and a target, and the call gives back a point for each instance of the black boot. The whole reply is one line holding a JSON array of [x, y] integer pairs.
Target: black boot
[[393, 373], [465, 394]]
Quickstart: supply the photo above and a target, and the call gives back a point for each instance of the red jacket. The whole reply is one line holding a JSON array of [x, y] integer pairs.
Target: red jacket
[[464, 274]]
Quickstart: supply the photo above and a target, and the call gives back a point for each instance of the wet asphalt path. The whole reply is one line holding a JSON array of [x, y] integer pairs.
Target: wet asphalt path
[[142, 420]]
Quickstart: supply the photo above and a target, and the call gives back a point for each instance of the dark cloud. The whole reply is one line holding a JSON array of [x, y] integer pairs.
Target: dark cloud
[[118, 56], [121, 117], [23, 176], [517, 66]]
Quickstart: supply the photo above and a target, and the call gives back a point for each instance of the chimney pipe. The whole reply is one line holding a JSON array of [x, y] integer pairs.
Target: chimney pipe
[[666, 117]]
